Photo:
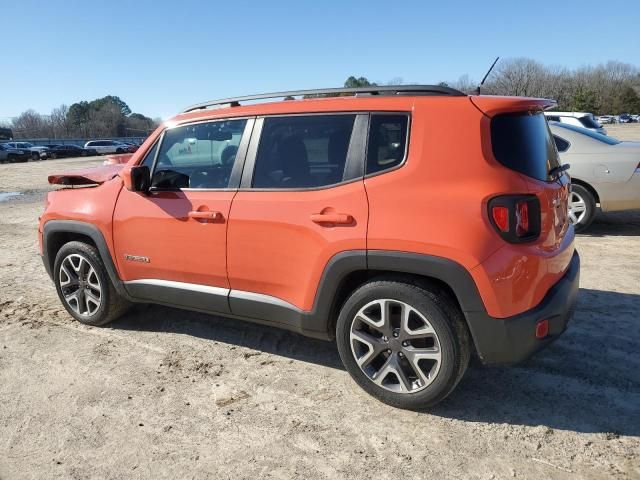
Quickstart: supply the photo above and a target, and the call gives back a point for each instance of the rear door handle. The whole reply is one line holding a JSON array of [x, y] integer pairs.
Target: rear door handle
[[205, 215], [339, 218]]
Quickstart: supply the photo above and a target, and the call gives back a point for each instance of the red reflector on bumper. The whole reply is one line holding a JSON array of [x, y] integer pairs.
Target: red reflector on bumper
[[542, 328]]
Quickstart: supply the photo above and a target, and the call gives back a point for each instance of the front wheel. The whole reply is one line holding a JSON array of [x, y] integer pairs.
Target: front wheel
[[582, 207], [405, 344], [84, 286]]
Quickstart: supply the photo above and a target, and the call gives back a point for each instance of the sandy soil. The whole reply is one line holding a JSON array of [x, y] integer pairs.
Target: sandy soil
[[164, 393]]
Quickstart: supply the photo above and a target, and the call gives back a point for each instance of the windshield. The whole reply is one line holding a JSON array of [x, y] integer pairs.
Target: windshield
[[590, 133], [523, 142]]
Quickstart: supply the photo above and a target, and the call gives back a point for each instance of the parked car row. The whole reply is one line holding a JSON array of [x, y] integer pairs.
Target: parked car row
[[25, 151], [622, 118]]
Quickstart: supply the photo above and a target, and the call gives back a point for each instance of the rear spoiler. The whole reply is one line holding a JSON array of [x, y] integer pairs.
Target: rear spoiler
[[87, 176], [493, 105]]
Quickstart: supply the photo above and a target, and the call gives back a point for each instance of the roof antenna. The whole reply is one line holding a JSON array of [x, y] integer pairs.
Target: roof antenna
[[487, 74]]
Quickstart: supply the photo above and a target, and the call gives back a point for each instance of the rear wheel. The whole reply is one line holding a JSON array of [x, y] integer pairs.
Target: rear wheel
[[582, 207], [84, 287], [407, 345]]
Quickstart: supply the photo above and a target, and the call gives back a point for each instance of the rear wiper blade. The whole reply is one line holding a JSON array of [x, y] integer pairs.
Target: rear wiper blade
[[557, 171]]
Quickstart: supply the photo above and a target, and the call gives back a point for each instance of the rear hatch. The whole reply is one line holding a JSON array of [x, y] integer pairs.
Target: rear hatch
[[521, 141]]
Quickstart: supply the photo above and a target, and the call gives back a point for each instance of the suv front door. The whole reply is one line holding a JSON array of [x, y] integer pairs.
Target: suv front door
[[301, 202], [171, 244]]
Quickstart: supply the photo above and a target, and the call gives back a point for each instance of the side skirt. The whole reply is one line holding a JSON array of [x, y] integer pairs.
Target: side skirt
[[238, 304]]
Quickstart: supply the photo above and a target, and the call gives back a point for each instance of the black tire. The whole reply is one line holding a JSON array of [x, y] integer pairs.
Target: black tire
[[112, 305], [35, 156], [444, 317], [578, 191]]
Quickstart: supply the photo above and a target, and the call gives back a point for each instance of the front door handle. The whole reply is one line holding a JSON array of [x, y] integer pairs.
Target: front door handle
[[336, 218], [205, 215]]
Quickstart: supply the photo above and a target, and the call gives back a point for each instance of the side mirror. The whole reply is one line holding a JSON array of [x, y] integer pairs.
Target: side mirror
[[137, 178]]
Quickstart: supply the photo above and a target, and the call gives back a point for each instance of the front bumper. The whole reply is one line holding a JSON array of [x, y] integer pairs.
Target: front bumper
[[513, 339]]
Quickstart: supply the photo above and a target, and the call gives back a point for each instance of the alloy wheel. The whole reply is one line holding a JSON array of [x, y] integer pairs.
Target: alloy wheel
[[395, 346], [80, 285], [577, 208]]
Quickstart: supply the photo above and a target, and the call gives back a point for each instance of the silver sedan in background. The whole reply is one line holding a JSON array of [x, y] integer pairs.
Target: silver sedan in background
[[603, 171]]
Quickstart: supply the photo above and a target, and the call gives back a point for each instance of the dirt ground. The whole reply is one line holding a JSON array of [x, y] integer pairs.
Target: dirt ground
[[164, 393]]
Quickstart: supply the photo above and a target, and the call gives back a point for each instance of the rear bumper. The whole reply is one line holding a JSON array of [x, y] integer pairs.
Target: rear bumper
[[513, 339]]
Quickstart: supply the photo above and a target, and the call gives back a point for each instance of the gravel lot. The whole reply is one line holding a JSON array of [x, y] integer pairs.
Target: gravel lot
[[164, 393]]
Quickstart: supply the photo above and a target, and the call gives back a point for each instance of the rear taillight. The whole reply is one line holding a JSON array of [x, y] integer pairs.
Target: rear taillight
[[516, 217], [500, 217]]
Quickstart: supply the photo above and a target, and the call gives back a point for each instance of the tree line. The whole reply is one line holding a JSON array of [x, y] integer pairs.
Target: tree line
[[610, 88], [100, 118]]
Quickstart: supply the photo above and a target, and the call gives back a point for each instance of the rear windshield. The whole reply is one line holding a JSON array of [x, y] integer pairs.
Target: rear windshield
[[590, 133], [589, 122], [523, 142]]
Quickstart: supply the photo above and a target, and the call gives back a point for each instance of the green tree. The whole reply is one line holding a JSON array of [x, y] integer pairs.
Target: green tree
[[353, 82], [584, 100], [626, 101]]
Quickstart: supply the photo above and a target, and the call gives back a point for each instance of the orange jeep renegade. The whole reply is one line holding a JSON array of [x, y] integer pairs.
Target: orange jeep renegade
[[413, 225]]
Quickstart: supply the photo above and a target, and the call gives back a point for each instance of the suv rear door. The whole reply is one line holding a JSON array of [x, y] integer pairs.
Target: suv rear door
[[171, 244], [301, 202]]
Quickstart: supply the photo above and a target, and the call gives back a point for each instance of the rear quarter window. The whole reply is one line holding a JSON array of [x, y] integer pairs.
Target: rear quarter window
[[387, 144], [523, 142]]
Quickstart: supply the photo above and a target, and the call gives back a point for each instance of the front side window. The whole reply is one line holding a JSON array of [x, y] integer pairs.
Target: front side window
[[387, 141], [150, 156], [198, 156], [303, 151]]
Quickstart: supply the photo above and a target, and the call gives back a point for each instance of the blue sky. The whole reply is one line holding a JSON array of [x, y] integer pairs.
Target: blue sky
[[161, 56]]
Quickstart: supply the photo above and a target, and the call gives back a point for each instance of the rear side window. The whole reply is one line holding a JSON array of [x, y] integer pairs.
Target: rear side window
[[553, 118], [303, 151], [523, 142], [561, 144], [387, 142]]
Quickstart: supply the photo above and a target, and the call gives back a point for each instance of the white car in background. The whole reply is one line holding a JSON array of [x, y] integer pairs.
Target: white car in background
[[577, 119], [603, 171], [605, 119], [107, 146]]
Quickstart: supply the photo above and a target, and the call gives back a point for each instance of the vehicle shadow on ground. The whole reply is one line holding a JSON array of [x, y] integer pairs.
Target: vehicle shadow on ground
[[587, 381], [266, 339], [614, 224]]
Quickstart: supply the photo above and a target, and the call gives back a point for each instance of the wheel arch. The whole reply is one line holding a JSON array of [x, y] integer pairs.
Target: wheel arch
[[588, 186], [349, 270], [56, 233]]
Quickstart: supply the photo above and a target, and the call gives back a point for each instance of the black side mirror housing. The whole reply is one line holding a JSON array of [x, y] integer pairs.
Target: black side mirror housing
[[140, 178]]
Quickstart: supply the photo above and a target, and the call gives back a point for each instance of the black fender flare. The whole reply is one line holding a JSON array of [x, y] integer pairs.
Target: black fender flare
[[55, 227], [451, 273]]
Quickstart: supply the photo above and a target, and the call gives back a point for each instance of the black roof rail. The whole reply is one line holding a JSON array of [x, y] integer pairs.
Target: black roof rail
[[374, 90]]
